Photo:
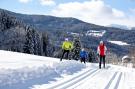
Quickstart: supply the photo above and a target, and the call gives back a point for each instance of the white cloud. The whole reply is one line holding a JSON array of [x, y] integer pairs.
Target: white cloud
[[132, 10], [24, 1], [118, 14], [47, 2], [94, 11]]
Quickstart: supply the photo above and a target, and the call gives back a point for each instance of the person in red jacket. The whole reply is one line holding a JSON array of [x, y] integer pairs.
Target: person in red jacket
[[101, 50]]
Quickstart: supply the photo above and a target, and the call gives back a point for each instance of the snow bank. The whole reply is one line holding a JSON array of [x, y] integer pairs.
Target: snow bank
[[21, 71]]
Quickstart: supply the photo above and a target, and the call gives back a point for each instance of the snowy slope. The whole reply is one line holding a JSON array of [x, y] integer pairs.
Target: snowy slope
[[113, 77], [24, 71], [21, 71]]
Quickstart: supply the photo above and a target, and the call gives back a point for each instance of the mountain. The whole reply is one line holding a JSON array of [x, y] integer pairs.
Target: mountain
[[58, 28], [133, 28], [119, 26]]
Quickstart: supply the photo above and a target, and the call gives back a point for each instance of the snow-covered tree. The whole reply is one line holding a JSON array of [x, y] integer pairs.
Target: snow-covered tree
[[132, 55], [112, 58], [92, 57], [34, 41], [76, 48], [29, 44], [45, 42]]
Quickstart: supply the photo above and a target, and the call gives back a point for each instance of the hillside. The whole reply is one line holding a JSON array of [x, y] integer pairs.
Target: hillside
[[59, 28], [15, 35]]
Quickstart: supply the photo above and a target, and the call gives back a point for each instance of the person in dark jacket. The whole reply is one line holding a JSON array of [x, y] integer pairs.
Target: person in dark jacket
[[83, 55], [101, 51]]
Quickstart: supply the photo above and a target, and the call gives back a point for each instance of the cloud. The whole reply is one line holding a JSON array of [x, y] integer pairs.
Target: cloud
[[94, 11], [24, 1], [47, 2], [132, 10]]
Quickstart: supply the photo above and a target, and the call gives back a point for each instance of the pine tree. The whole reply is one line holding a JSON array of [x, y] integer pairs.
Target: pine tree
[[45, 43], [77, 48], [92, 56], [29, 44], [38, 44], [34, 41]]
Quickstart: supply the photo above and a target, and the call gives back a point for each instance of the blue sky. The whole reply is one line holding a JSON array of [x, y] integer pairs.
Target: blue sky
[[101, 12]]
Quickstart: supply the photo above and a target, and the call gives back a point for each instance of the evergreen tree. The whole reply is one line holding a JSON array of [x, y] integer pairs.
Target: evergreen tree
[[29, 44], [92, 56], [35, 39], [77, 48], [39, 44], [45, 42]]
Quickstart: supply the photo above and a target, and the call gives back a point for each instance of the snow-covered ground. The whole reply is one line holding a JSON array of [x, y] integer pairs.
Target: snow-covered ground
[[119, 43], [24, 71], [95, 33]]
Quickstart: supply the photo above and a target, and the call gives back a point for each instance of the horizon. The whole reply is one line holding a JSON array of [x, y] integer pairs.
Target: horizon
[[99, 12]]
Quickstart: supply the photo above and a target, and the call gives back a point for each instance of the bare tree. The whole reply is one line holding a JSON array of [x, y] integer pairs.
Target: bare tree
[[132, 55], [112, 58]]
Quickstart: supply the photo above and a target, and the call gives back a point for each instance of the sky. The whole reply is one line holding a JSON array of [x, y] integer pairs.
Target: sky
[[100, 12]]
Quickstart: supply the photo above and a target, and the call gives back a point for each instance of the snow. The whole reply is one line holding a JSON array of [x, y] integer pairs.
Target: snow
[[120, 26], [125, 57], [25, 71], [21, 71], [72, 33], [121, 43], [90, 33], [113, 77], [75, 34], [95, 33]]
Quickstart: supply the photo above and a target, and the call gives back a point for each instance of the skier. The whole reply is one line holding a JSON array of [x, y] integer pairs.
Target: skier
[[66, 46], [83, 55], [101, 51]]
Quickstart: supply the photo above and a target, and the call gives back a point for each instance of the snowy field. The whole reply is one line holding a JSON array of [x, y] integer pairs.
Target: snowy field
[[95, 33], [24, 71], [119, 43]]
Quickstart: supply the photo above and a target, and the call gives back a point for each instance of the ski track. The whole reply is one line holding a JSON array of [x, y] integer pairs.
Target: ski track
[[95, 78], [114, 81], [70, 82], [79, 79], [118, 81], [110, 81], [75, 86], [91, 83]]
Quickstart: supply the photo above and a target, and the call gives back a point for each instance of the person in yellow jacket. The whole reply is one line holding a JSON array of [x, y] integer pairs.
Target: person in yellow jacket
[[66, 47]]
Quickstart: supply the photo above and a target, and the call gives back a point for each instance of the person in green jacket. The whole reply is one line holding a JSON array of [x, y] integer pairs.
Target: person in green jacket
[[66, 47]]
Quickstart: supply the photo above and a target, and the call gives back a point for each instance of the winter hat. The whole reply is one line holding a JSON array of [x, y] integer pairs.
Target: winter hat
[[66, 39], [82, 49], [101, 42]]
